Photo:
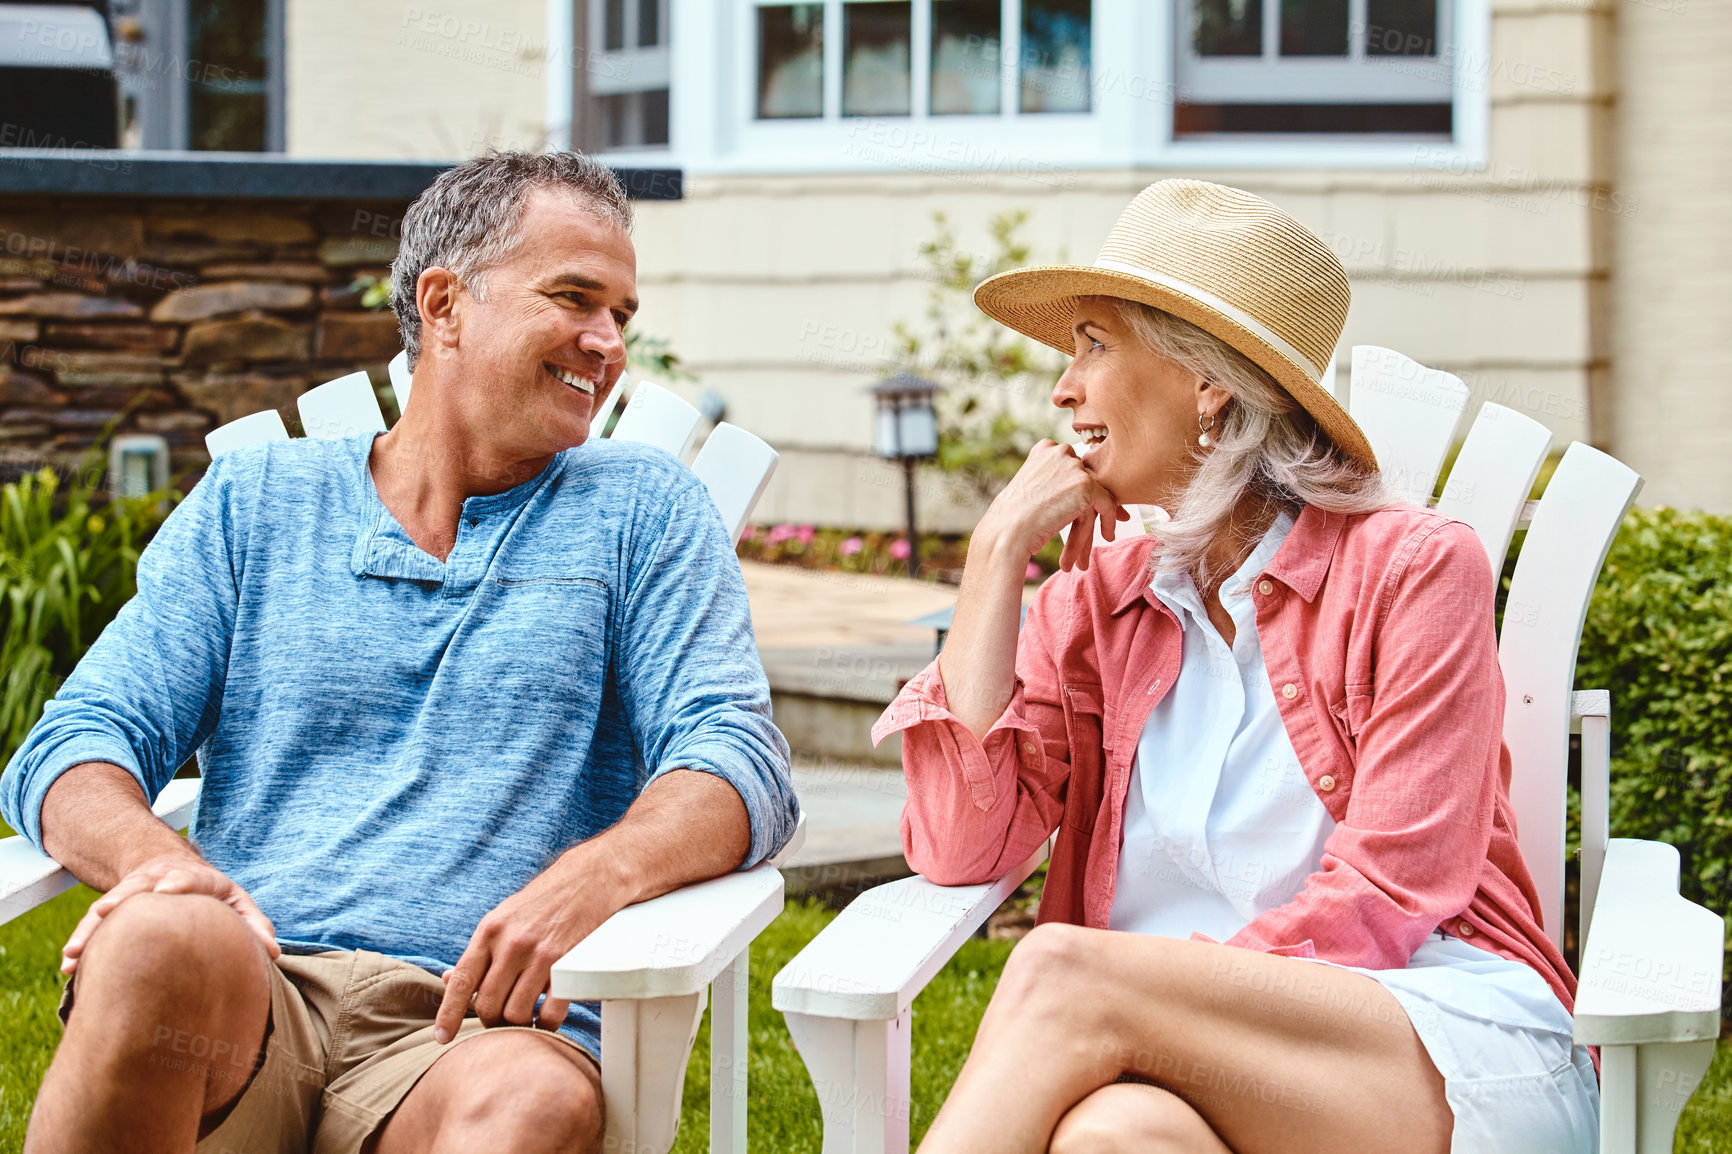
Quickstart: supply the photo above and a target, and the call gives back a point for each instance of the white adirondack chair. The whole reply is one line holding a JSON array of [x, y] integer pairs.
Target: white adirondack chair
[[653, 965], [1649, 992]]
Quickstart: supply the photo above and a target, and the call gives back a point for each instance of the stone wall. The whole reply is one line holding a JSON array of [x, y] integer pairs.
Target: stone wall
[[177, 315]]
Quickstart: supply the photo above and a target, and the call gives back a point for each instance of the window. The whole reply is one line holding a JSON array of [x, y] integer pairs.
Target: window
[[790, 61], [922, 58], [628, 79], [965, 57], [877, 54], [1054, 61], [1318, 67], [200, 74]]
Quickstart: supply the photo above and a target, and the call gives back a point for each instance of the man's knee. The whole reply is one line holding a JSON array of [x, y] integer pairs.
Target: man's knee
[[186, 948], [526, 1095]]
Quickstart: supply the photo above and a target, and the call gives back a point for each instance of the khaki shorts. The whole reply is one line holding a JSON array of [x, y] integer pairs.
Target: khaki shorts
[[349, 1035]]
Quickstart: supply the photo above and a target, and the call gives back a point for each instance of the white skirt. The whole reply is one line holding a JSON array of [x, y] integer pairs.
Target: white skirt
[[1513, 1077]]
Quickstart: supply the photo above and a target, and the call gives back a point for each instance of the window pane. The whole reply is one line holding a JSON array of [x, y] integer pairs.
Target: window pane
[[655, 118], [790, 61], [613, 25], [1055, 56], [649, 23], [876, 48], [1227, 27], [965, 56], [1313, 27], [1401, 28], [226, 93]]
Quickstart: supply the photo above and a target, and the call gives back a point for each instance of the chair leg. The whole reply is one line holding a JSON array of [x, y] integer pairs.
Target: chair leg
[[861, 1073], [645, 1044], [730, 1035], [1669, 1073], [1619, 1095]]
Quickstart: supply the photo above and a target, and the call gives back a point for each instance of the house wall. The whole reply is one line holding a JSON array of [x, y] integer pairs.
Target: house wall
[[1672, 292], [783, 291], [776, 288], [417, 79]]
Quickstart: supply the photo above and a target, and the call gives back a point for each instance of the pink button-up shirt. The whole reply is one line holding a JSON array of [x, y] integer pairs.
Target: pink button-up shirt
[[1377, 631]]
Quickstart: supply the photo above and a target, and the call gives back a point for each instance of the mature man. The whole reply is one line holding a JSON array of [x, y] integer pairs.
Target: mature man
[[459, 693]]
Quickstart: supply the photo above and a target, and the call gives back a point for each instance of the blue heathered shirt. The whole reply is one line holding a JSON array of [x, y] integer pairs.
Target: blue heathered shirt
[[392, 745]]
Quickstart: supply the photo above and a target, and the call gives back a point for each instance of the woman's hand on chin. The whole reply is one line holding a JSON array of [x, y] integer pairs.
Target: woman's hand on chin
[[1051, 490]]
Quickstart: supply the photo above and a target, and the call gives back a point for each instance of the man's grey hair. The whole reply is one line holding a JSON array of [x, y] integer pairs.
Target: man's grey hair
[[469, 221], [1264, 444]]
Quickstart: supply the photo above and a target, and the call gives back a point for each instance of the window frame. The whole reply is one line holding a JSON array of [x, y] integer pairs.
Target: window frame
[[1134, 86]]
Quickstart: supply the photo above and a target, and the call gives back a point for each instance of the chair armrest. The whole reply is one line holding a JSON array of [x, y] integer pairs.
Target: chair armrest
[[672, 945], [1651, 966], [29, 877], [882, 950]]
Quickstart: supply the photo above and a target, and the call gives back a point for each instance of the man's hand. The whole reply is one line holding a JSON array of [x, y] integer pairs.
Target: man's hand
[[686, 826], [509, 961], [174, 873]]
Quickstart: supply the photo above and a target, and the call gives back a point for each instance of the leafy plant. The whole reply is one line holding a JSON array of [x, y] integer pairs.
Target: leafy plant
[[68, 562], [1659, 637], [993, 408]]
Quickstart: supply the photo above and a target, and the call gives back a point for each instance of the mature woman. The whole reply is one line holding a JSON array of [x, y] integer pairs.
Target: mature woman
[[1285, 910]]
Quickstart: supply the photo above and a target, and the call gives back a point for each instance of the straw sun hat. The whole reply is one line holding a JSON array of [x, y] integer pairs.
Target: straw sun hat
[[1231, 263]]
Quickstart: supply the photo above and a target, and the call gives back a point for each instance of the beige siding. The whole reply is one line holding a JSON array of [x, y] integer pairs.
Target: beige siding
[[1672, 288], [435, 79]]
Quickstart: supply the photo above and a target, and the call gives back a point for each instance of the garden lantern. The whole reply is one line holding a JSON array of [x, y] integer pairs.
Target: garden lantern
[[906, 430], [137, 464]]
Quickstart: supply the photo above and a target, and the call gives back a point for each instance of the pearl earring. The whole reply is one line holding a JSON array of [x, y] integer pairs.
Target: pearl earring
[[1203, 437]]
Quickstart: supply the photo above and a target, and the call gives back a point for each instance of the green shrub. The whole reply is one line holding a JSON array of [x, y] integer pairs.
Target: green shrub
[[1659, 637], [68, 562]]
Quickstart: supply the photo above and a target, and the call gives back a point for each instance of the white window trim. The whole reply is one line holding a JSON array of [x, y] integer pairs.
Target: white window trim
[[714, 92]]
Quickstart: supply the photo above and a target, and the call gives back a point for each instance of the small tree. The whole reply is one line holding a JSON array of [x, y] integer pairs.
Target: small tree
[[994, 407]]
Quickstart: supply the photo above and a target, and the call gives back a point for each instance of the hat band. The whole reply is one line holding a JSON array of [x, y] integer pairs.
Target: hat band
[[1231, 311]]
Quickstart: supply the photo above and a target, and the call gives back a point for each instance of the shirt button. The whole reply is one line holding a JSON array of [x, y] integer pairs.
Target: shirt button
[[1030, 748], [1289, 691], [1466, 930], [1265, 587], [1326, 783]]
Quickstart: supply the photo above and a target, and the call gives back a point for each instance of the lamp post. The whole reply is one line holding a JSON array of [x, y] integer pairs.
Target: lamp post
[[906, 430]]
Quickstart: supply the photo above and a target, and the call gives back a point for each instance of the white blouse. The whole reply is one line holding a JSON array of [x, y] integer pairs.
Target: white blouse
[[1220, 823]]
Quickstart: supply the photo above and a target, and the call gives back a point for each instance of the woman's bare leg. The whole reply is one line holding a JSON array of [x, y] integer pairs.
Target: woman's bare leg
[[1277, 1055], [1133, 1118]]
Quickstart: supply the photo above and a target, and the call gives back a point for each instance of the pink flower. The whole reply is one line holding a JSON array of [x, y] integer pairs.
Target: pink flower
[[850, 547], [804, 533], [1032, 573], [899, 550], [779, 534], [751, 533]]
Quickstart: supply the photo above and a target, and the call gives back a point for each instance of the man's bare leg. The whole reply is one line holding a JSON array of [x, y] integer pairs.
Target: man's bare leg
[[510, 1091], [1276, 1055], [173, 1002]]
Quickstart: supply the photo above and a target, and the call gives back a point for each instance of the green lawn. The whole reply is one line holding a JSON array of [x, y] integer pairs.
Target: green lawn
[[784, 1108]]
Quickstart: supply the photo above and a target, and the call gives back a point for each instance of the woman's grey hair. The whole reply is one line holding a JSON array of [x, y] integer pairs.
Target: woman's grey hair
[[1265, 445], [469, 221]]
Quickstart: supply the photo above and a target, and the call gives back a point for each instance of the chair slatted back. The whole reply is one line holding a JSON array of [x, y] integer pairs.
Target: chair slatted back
[[345, 407], [1572, 530], [1409, 414], [402, 380], [656, 416], [265, 425], [1493, 475], [735, 466]]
